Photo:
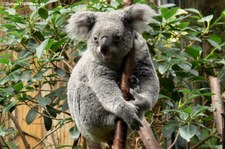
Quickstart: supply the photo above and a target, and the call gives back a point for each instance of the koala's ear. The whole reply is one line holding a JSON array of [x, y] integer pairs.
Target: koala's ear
[[138, 16], [80, 24]]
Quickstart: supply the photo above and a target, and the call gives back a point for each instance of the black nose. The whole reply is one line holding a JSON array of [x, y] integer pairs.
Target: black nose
[[104, 44]]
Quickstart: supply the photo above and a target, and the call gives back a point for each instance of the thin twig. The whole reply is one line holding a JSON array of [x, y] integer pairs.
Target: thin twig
[[175, 140], [29, 135], [27, 146], [203, 141], [6, 145], [43, 139]]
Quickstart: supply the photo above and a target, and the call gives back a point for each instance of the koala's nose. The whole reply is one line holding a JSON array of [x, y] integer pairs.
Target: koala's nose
[[104, 44]]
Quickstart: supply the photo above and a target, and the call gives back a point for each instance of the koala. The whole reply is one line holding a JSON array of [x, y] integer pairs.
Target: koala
[[94, 97]]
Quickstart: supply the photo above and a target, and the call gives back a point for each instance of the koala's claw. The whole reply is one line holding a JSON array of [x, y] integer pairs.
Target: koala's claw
[[131, 117], [135, 123]]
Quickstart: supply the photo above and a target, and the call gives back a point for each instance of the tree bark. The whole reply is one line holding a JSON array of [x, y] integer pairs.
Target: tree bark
[[217, 103], [147, 136], [121, 127]]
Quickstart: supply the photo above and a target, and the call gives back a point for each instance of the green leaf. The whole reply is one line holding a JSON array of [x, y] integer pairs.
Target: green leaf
[[223, 14], [18, 87], [188, 131], [185, 91], [214, 44], [38, 35], [206, 19], [183, 25], [65, 106], [74, 133], [60, 72], [114, 3], [45, 45], [53, 112], [168, 13], [167, 5], [194, 72], [163, 68], [43, 12], [216, 38], [4, 61], [50, 1], [26, 75], [221, 74], [41, 48], [10, 107], [57, 45], [31, 115], [4, 131], [193, 10], [47, 121], [168, 129], [194, 51], [43, 101], [12, 145], [194, 38], [188, 110], [185, 66]]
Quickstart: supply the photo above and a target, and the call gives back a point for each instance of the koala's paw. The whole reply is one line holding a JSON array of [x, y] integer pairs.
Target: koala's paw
[[134, 94], [131, 117], [139, 101]]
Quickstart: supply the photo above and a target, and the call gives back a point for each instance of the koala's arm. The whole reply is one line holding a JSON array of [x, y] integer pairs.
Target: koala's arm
[[102, 81], [146, 74]]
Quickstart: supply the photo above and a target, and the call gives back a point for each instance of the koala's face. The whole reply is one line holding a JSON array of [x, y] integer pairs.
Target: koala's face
[[110, 35]]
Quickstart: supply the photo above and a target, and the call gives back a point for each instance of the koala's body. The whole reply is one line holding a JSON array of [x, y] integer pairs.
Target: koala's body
[[94, 97]]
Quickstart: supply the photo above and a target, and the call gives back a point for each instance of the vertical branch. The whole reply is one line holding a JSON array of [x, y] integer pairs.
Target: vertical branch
[[216, 102], [223, 123], [120, 134], [223, 130], [27, 146], [121, 127]]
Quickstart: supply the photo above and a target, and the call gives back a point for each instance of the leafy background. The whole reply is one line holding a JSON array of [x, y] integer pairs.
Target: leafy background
[[36, 59]]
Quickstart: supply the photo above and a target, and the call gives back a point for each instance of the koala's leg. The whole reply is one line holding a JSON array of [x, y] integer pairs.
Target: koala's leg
[[93, 121]]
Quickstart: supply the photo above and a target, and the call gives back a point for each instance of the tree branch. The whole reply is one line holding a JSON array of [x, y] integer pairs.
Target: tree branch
[[120, 134], [147, 136], [175, 140], [217, 103], [27, 146], [203, 141], [42, 140], [3, 141]]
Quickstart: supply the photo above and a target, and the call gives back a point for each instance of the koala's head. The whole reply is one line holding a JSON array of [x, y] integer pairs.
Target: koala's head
[[110, 35]]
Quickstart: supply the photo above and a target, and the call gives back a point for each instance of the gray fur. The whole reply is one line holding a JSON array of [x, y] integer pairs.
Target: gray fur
[[94, 97]]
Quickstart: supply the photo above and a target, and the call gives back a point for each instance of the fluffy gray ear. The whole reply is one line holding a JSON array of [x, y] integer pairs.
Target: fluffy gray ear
[[138, 16], [80, 24]]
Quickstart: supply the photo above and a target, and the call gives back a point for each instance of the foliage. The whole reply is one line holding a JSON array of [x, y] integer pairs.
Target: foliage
[[188, 49], [37, 57]]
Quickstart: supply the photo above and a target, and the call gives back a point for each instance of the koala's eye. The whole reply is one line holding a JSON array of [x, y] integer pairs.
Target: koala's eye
[[96, 39], [117, 38]]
